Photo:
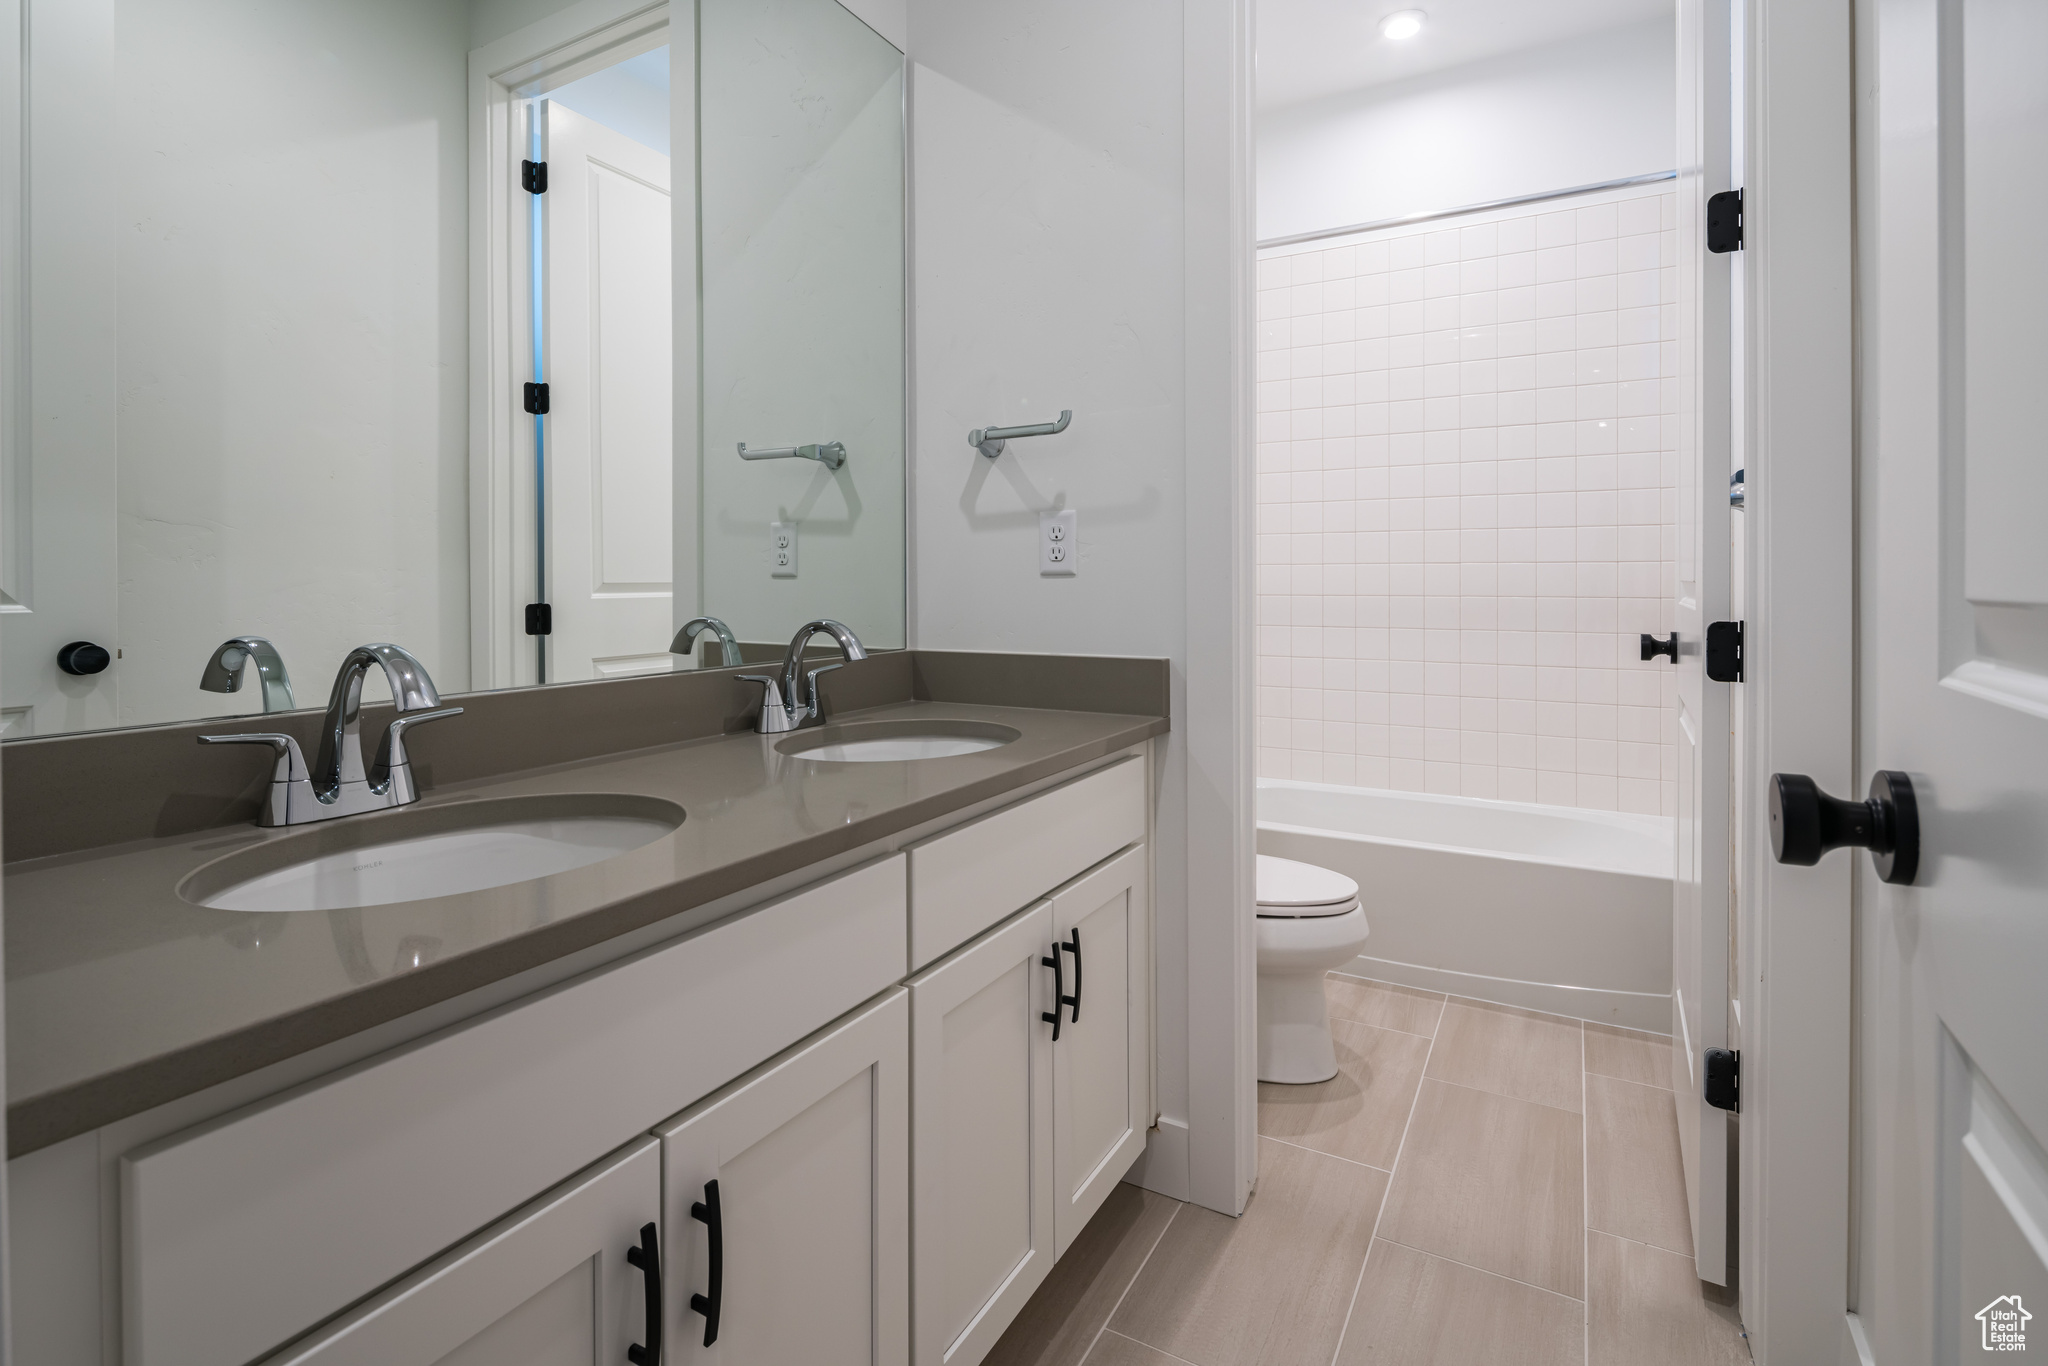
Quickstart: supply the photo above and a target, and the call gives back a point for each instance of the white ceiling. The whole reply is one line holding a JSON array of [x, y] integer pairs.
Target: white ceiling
[[1312, 48]]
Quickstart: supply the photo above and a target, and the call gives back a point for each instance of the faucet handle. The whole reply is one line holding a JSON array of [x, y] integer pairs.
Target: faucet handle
[[775, 715], [291, 761], [391, 753], [816, 702]]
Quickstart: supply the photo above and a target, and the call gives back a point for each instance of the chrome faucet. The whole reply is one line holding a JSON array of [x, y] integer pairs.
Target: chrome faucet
[[779, 715], [338, 783], [225, 671], [686, 639]]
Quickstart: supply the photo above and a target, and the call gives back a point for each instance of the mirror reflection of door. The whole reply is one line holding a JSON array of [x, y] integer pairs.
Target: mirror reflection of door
[[610, 549]]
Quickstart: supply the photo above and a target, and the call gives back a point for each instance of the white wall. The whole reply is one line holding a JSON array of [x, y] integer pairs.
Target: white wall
[[1593, 108], [1058, 183]]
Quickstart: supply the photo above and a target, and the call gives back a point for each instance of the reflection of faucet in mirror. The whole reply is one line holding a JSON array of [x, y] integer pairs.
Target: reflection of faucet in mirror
[[338, 783], [686, 639], [778, 714], [224, 672]]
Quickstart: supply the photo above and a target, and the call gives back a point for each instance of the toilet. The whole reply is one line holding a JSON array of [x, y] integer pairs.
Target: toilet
[[1309, 922]]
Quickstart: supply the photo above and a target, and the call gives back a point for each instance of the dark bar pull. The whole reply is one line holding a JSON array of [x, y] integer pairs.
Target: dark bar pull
[[706, 1212], [647, 1257], [1059, 990], [1652, 647], [1074, 948]]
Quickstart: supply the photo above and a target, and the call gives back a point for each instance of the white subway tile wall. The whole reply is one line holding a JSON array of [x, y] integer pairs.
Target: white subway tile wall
[[1466, 460]]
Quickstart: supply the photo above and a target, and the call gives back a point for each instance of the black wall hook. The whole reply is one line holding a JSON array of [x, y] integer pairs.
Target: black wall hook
[[1806, 823]]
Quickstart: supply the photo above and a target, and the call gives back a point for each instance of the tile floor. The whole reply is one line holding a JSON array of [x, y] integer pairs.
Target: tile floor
[[1478, 1184]]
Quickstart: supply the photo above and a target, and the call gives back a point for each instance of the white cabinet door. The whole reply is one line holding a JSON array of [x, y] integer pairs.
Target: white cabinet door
[[788, 1204], [981, 1137], [1102, 1062], [549, 1285]]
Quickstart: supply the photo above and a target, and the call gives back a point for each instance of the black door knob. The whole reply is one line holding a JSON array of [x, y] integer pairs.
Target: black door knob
[[1806, 822], [1652, 647], [83, 657]]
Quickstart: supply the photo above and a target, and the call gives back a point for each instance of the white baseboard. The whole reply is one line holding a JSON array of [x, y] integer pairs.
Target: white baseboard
[[1163, 1166], [1632, 1009]]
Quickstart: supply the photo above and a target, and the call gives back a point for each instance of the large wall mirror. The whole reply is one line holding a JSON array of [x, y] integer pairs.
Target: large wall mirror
[[313, 356]]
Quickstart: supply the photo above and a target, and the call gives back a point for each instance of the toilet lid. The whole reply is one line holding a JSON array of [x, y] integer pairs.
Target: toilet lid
[[1289, 887]]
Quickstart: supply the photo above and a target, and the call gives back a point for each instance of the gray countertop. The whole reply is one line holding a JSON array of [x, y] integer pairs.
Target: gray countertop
[[121, 995]]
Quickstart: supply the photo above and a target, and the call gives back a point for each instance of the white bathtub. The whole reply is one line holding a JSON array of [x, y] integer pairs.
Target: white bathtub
[[1547, 907]]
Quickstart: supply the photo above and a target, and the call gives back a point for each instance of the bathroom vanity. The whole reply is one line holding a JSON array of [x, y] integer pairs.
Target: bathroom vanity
[[832, 1070]]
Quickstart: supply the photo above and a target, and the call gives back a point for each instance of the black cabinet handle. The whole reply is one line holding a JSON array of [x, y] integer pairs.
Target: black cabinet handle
[[82, 657], [706, 1212], [1652, 647], [647, 1257], [1059, 990], [1074, 948], [1806, 823]]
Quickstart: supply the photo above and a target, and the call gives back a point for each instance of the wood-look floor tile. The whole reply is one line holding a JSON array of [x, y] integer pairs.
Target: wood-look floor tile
[[1383, 1004], [1646, 1304], [1417, 1310], [1117, 1350], [1074, 1301], [1630, 1054], [1521, 1053], [1359, 1113], [1637, 1179], [1270, 1287], [1492, 1182]]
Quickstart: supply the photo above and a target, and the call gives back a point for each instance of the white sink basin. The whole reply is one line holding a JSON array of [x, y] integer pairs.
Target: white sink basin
[[895, 742], [439, 851]]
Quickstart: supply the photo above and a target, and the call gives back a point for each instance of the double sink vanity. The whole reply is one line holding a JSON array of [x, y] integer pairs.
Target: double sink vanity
[[640, 1028]]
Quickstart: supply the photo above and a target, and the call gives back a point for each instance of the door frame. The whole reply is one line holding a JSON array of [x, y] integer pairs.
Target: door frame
[[1794, 956], [575, 42]]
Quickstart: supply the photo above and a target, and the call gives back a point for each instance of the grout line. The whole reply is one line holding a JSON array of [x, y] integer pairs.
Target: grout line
[[1408, 1033], [1336, 1157], [1497, 1275], [1146, 1345], [1414, 1102], [1125, 1292], [1624, 1238], [1585, 1196], [1520, 1100], [1629, 1081]]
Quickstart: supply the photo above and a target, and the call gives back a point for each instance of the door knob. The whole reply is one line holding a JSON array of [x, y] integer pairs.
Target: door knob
[[83, 657], [1652, 647], [1806, 822]]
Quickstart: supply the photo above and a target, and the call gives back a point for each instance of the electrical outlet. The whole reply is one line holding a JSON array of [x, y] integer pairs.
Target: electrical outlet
[[1058, 543], [782, 550]]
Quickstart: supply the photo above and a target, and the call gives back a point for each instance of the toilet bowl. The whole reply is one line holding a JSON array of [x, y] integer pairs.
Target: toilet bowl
[[1309, 921]]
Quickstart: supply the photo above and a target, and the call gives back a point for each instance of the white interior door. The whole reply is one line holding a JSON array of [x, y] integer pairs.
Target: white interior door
[[1953, 669], [1699, 932], [610, 422], [812, 1228]]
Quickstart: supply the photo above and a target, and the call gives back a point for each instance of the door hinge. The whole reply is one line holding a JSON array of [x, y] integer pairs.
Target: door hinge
[[536, 398], [533, 177], [1724, 221], [1724, 1079], [1724, 651], [540, 619]]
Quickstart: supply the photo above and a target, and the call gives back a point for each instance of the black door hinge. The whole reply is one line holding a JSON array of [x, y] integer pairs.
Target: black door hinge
[[540, 619], [533, 177], [1724, 651], [1724, 221], [1724, 1079], [536, 398]]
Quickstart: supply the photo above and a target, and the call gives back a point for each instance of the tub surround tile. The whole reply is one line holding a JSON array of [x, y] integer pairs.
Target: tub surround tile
[[1361, 1112], [1646, 1304], [1510, 1052], [1384, 1004], [1495, 1183], [1270, 1287], [1630, 1054], [1637, 1179], [1068, 1311], [1417, 1310]]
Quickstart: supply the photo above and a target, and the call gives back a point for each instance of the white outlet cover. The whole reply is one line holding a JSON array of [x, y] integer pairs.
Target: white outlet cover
[[782, 550], [1059, 544]]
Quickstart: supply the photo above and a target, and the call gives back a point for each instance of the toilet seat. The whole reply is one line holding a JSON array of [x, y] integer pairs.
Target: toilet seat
[[1291, 890]]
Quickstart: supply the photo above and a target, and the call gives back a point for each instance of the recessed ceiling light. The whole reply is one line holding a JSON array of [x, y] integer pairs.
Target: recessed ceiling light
[[1401, 26]]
